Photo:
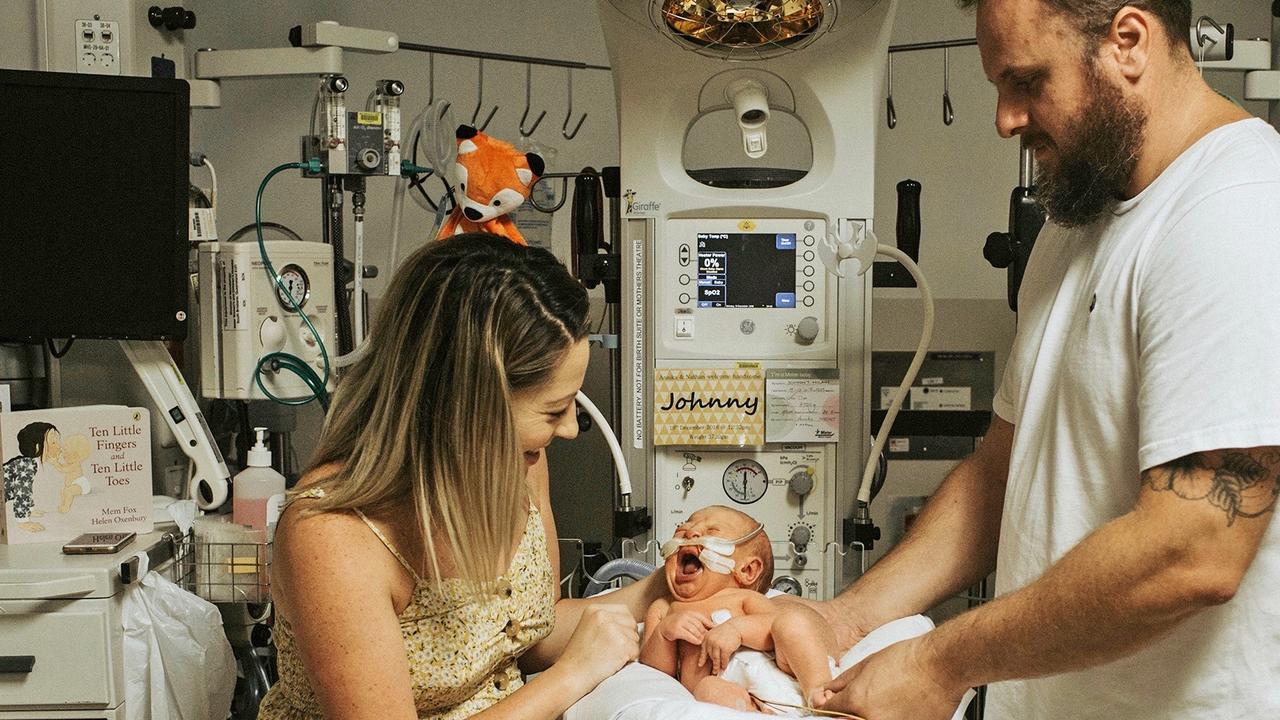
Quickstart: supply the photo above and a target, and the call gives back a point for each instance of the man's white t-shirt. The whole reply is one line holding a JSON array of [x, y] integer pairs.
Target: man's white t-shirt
[[1150, 335]]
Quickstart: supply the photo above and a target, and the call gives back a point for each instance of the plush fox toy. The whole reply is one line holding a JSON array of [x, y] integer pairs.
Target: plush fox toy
[[491, 179]]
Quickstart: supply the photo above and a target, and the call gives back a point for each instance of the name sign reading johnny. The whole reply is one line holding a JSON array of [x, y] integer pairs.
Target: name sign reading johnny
[[708, 406]]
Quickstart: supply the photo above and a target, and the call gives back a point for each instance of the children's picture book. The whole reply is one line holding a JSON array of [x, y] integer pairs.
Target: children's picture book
[[69, 471]]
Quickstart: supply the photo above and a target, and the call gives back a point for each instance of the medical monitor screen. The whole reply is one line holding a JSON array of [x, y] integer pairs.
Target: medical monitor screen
[[93, 206], [746, 270]]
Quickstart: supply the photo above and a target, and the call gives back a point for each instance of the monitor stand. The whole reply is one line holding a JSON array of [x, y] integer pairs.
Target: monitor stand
[[209, 482]]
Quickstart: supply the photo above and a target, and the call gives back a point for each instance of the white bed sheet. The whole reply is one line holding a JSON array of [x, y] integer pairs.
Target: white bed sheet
[[639, 692]]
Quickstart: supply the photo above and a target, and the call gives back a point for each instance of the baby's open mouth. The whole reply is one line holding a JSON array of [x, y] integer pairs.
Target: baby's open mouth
[[689, 563]]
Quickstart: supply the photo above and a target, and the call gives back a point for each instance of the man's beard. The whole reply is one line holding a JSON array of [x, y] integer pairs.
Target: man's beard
[[1096, 161]]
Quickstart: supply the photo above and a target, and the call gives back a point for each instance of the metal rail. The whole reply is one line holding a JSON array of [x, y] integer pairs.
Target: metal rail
[[505, 57], [934, 45]]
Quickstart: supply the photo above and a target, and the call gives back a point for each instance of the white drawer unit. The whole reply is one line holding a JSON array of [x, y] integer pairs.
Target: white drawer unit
[[73, 646], [61, 633]]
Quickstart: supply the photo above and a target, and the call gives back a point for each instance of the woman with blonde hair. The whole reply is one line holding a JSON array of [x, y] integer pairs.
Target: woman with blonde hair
[[413, 569]]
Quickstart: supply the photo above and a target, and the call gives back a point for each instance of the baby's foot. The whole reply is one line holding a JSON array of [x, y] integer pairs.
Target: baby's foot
[[712, 689], [33, 527], [37, 513], [817, 697]]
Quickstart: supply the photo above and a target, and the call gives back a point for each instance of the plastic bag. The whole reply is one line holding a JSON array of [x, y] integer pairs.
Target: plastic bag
[[178, 663]]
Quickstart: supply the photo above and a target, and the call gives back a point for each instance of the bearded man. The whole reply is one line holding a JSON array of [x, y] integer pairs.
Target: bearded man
[[1125, 490]]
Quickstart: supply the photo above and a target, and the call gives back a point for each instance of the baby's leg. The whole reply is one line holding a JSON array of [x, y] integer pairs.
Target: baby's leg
[[690, 672], [802, 643], [69, 491], [722, 692]]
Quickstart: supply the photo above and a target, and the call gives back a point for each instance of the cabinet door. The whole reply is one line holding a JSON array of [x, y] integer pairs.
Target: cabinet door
[[77, 646]]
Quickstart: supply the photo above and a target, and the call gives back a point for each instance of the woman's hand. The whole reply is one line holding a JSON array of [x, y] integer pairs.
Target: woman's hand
[[685, 625], [606, 639]]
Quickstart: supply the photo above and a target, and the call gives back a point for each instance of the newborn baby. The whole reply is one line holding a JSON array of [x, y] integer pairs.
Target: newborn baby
[[718, 566], [75, 451]]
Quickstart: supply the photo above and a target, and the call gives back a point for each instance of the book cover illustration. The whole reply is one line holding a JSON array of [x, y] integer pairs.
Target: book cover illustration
[[69, 471]]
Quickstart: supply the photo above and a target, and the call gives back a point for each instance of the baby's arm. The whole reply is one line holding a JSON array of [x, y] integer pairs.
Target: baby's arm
[[665, 625], [752, 629], [654, 650]]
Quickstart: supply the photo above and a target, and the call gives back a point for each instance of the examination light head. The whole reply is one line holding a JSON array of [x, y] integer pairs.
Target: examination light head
[[740, 29], [744, 23]]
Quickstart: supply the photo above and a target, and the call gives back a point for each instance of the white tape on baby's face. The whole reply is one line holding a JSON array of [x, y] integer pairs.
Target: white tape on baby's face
[[718, 545], [713, 554], [716, 562], [716, 553]]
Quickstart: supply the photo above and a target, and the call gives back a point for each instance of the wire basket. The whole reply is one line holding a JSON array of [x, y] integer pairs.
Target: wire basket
[[224, 572]]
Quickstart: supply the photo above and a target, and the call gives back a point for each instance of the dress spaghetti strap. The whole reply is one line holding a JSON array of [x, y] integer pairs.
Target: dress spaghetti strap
[[413, 573]]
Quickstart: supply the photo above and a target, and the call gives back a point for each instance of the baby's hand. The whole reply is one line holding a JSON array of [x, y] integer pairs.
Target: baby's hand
[[685, 625], [721, 642]]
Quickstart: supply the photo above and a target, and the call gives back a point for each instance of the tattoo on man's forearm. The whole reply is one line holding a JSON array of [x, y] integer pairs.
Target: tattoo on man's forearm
[[1243, 483]]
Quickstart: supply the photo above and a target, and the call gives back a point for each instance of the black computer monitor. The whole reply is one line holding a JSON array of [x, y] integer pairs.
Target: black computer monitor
[[93, 206]]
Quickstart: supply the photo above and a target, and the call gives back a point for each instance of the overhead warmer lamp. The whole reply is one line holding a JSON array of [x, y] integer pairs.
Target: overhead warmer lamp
[[738, 29]]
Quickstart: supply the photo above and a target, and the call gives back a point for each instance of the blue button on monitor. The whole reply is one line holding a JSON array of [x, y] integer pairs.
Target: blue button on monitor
[[784, 300], [786, 242]]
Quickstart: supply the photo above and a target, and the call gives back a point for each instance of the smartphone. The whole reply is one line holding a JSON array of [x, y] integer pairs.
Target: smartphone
[[98, 543]]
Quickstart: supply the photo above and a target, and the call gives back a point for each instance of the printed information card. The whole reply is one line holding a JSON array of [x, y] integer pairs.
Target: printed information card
[[708, 406], [802, 405]]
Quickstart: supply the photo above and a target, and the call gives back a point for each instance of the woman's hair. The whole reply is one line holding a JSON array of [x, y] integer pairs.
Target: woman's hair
[[425, 418], [31, 439]]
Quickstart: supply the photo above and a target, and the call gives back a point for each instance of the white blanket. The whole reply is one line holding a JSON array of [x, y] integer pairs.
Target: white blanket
[[639, 692]]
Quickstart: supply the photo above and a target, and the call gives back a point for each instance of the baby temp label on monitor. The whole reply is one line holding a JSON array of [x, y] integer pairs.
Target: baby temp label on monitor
[[708, 406]]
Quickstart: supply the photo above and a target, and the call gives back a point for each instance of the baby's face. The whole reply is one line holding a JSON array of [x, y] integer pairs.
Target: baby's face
[[687, 578], [75, 449]]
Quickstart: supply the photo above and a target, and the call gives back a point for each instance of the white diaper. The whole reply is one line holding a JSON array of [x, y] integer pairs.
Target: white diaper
[[758, 672], [83, 482]]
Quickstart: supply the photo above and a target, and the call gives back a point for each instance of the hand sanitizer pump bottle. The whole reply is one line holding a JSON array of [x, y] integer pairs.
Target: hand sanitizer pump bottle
[[255, 489]]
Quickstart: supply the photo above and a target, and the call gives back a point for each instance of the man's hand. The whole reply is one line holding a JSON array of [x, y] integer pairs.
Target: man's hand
[[719, 645], [685, 625], [897, 683]]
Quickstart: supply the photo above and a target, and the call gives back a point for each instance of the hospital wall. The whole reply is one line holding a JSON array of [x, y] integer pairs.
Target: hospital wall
[[966, 171]]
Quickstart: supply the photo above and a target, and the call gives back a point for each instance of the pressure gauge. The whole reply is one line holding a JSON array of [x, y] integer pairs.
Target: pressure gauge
[[789, 585], [745, 481], [293, 284]]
